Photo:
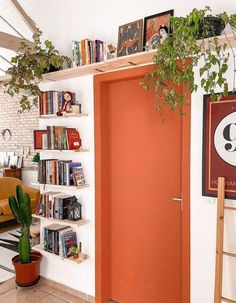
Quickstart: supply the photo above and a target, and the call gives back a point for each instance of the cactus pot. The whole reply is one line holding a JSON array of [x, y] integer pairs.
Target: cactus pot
[[27, 274]]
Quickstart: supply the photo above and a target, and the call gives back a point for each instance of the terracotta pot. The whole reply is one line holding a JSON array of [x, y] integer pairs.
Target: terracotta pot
[[75, 256], [27, 274]]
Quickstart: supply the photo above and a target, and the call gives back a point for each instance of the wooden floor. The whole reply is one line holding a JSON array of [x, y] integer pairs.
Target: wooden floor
[[42, 293]]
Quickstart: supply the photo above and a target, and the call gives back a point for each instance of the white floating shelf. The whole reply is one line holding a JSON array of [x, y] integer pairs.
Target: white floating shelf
[[66, 115], [81, 150], [70, 259], [63, 222], [74, 187]]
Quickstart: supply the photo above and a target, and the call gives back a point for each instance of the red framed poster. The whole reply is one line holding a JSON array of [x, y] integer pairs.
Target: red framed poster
[[219, 145]]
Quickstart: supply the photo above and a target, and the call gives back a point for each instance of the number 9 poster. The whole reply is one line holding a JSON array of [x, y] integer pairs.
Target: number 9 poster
[[219, 145]]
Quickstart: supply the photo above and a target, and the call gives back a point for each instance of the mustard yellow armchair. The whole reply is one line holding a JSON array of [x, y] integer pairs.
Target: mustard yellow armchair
[[8, 188]]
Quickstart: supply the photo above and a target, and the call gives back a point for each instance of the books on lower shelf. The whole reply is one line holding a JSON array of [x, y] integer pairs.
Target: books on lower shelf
[[57, 138], [60, 172], [56, 205], [60, 239]]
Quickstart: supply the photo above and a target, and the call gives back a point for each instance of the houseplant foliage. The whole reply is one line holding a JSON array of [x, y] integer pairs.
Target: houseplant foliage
[[182, 51], [27, 262], [28, 69]]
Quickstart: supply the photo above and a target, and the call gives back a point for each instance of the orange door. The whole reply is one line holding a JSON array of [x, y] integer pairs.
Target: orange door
[[142, 162]]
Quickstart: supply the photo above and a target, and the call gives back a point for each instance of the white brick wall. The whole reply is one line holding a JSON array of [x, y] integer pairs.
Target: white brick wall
[[20, 125]]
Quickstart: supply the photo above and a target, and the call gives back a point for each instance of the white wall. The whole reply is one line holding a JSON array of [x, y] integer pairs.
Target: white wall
[[203, 218], [63, 21], [77, 276]]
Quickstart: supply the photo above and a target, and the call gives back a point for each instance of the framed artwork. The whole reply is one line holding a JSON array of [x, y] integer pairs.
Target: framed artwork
[[156, 29], [38, 138], [219, 145], [130, 38]]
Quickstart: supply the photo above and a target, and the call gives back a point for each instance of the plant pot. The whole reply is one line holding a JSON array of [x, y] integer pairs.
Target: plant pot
[[27, 274], [52, 68], [75, 256], [211, 27]]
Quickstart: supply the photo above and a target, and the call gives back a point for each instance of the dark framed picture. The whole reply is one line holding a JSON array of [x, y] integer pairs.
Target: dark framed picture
[[219, 145], [38, 138], [156, 29], [130, 38]]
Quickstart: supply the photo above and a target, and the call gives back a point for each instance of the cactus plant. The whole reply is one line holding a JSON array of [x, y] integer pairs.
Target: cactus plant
[[21, 209]]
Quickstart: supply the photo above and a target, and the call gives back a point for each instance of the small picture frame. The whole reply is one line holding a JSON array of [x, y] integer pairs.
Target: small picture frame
[[156, 29], [38, 138], [130, 38]]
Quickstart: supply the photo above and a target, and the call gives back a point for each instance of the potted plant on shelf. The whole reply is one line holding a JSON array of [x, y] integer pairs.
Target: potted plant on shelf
[[27, 263], [28, 68], [182, 51], [75, 252]]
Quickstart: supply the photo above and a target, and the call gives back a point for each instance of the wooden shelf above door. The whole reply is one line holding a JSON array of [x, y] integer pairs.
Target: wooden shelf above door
[[100, 67], [119, 62]]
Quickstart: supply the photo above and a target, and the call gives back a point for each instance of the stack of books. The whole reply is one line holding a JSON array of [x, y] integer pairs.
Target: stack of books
[[57, 138], [51, 102], [88, 51], [60, 172], [54, 205], [59, 239]]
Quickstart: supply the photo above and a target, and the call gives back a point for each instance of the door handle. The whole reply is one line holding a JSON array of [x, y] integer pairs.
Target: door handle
[[177, 199]]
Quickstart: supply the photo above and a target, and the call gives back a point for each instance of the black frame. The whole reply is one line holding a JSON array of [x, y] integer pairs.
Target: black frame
[[170, 12]]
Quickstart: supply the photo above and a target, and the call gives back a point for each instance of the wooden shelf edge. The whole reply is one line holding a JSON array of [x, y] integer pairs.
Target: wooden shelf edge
[[63, 150], [53, 116], [70, 259], [63, 222], [60, 186]]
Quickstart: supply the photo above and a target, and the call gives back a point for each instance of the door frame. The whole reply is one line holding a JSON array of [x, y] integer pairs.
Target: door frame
[[102, 287]]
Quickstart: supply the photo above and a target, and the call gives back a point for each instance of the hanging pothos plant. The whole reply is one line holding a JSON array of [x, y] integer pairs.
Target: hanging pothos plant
[[28, 68], [182, 51]]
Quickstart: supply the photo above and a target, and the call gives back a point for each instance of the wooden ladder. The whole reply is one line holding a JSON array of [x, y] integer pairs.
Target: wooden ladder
[[220, 241]]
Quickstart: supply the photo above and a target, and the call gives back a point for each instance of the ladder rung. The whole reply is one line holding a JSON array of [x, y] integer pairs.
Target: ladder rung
[[228, 300], [230, 207], [229, 254]]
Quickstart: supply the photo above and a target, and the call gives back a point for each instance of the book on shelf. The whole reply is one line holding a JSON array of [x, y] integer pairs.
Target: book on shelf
[[69, 240], [57, 138], [54, 205], [88, 51], [51, 102], [78, 176], [76, 53], [73, 138], [59, 239], [58, 172]]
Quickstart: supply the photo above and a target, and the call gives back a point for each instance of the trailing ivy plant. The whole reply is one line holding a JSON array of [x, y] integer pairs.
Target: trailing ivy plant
[[181, 52], [28, 68]]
